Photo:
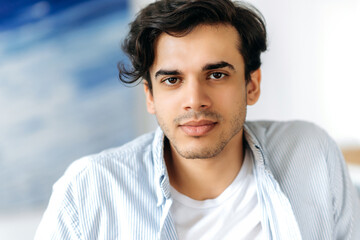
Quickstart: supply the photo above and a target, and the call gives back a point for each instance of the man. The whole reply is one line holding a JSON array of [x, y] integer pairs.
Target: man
[[205, 173]]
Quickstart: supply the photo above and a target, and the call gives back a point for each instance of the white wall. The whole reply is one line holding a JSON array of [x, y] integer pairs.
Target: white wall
[[20, 225], [310, 71]]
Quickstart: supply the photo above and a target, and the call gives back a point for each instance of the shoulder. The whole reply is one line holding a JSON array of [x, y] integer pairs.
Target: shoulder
[[100, 187], [273, 128], [288, 134], [130, 158], [295, 147]]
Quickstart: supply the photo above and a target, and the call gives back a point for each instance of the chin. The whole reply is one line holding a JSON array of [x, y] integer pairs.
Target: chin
[[199, 152]]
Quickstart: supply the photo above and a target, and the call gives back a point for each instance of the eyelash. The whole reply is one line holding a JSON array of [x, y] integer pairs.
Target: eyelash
[[223, 75], [170, 78], [166, 80]]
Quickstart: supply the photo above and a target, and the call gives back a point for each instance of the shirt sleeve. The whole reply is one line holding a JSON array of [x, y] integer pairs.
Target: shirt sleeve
[[346, 201], [60, 220]]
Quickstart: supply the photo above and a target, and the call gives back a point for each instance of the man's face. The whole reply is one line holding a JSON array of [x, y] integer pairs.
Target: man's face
[[199, 93]]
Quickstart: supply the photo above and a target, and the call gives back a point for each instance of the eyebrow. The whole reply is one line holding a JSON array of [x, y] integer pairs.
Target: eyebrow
[[167, 73], [222, 64], [210, 66]]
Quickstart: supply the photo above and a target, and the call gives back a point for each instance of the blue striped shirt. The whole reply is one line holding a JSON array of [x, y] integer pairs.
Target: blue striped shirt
[[303, 187]]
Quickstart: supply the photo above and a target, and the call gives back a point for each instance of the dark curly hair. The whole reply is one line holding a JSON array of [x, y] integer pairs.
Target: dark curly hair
[[178, 18]]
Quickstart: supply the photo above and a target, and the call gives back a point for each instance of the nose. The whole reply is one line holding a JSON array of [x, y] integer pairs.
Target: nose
[[196, 96]]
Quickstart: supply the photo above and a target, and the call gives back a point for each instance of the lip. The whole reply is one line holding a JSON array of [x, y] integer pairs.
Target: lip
[[197, 128]]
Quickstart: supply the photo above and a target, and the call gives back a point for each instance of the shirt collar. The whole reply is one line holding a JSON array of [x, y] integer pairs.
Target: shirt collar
[[278, 219], [161, 176], [271, 197], [253, 142]]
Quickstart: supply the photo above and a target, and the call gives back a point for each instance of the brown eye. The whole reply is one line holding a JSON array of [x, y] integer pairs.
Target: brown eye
[[217, 75], [171, 81]]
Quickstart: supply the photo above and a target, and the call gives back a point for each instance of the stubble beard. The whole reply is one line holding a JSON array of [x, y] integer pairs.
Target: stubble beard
[[236, 125]]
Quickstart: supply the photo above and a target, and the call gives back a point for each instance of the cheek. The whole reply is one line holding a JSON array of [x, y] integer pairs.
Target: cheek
[[166, 101], [164, 108], [230, 96], [231, 103]]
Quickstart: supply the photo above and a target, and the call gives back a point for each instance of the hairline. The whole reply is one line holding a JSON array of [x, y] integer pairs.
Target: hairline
[[175, 34]]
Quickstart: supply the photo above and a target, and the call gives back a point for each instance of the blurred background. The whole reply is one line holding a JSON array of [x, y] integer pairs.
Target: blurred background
[[60, 97]]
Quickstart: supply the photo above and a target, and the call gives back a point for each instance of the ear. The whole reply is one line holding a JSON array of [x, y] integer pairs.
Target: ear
[[149, 99], [253, 87]]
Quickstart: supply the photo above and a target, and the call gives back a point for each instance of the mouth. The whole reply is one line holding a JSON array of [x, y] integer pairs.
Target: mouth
[[197, 128]]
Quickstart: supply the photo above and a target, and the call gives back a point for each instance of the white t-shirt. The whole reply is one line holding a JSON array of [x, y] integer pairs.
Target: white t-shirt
[[234, 214]]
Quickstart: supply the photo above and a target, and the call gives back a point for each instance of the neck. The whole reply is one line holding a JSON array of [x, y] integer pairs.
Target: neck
[[202, 179]]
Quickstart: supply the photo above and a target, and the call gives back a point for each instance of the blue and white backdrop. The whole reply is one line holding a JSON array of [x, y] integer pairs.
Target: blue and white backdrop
[[60, 97]]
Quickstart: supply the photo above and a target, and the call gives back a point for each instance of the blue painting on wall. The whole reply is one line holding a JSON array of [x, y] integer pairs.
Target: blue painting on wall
[[60, 97]]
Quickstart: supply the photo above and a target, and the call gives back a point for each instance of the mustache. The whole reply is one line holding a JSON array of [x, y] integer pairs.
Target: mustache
[[213, 116]]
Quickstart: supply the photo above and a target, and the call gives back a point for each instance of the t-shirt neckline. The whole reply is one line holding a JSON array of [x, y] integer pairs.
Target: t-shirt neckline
[[237, 184]]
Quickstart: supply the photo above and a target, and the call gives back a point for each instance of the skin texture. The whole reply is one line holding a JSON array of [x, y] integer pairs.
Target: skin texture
[[199, 98]]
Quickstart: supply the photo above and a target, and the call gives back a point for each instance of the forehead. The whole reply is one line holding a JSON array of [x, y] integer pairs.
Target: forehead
[[204, 44]]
